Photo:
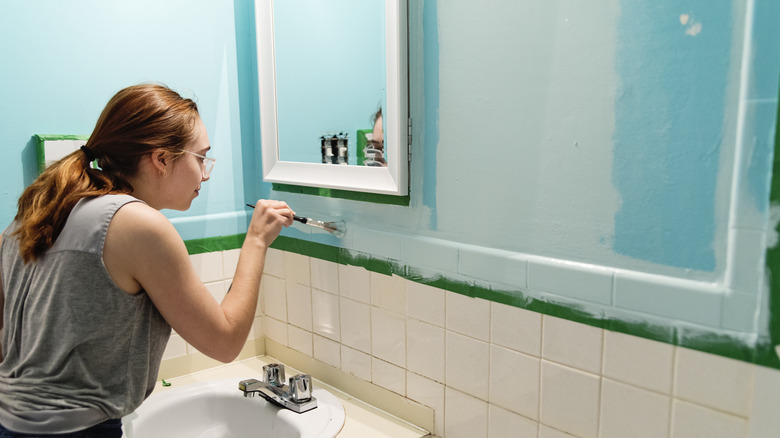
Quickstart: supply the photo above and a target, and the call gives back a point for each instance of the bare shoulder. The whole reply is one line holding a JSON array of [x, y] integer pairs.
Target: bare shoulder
[[140, 240], [136, 223]]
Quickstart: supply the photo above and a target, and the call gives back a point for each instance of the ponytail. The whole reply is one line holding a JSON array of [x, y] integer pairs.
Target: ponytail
[[45, 204], [136, 121]]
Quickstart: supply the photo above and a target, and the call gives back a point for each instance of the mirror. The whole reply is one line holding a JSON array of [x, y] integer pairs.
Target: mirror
[[324, 70]]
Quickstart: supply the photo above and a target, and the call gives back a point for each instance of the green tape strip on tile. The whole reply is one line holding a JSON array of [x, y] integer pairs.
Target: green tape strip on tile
[[343, 194], [773, 254], [718, 343]]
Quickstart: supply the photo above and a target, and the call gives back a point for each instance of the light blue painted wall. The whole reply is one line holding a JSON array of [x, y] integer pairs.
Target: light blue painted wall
[[557, 129], [62, 61]]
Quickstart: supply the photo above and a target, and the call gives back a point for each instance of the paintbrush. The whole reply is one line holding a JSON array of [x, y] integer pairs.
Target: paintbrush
[[337, 228]]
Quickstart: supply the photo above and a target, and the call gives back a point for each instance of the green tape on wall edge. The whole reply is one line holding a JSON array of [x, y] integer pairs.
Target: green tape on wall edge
[[723, 344]]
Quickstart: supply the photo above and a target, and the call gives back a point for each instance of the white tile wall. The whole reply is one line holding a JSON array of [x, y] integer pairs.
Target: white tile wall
[[572, 344], [628, 411], [638, 361], [492, 370], [570, 400]]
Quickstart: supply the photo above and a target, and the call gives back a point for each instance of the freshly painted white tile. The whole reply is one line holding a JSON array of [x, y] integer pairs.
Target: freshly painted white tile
[[497, 266], [764, 418], [425, 303], [355, 283], [217, 290], [388, 336], [208, 266], [503, 423], [694, 421], [377, 243], [388, 376], [388, 292], [468, 365], [230, 262], [465, 416], [571, 343], [686, 300], [638, 361], [425, 349], [628, 411], [570, 400], [327, 351], [438, 254], [274, 297], [275, 330], [570, 279], [739, 310], [516, 328], [324, 275], [468, 316], [428, 393], [274, 262], [514, 381], [760, 115], [325, 314], [299, 305], [296, 268], [356, 363], [714, 381], [749, 249], [356, 325], [300, 340], [176, 347]]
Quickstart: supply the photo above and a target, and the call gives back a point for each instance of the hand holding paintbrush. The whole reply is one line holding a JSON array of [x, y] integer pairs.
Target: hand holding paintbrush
[[337, 228]]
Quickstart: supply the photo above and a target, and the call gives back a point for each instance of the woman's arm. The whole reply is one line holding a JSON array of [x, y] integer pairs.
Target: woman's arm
[[143, 251]]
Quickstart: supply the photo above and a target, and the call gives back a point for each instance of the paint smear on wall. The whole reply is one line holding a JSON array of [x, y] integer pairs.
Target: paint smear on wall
[[431, 96], [692, 27], [669, 130]]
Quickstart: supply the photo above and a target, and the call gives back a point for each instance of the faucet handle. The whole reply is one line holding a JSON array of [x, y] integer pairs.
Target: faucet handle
[[273, 374], [300, 388]]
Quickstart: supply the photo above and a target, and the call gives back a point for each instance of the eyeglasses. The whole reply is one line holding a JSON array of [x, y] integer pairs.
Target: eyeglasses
[[206, 163]]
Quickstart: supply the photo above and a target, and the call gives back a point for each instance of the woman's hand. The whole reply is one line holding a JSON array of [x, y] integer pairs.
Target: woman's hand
[[268, 219]]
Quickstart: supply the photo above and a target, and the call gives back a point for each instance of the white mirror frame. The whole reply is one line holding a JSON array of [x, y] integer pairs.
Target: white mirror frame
[[390, 180]]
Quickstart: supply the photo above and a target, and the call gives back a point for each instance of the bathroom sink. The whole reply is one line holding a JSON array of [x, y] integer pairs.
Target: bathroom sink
[[217, 409]]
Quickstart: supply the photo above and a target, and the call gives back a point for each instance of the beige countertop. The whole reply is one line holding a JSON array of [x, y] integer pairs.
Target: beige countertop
[[362, 419]]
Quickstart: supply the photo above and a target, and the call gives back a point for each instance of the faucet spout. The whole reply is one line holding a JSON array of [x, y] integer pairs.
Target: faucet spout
[[296, 396]]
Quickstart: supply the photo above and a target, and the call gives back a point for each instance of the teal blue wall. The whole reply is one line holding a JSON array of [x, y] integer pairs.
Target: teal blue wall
[[63, 60]]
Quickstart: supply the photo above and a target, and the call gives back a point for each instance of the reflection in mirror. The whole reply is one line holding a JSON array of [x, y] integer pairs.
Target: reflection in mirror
[[333, 89], [330, 76]]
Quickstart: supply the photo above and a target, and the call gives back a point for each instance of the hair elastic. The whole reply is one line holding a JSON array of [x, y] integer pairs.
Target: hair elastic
[[89, 154]]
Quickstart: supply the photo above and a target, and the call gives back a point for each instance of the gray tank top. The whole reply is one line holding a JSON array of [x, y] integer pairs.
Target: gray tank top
[[78, 349]]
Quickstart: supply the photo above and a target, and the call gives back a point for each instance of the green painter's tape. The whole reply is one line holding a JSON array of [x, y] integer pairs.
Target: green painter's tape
[[722, 344], [343, 194], [214, 244], [768, 353]]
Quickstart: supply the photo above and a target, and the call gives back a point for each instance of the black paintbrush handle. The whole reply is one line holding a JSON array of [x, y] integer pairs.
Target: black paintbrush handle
[[302, 220]]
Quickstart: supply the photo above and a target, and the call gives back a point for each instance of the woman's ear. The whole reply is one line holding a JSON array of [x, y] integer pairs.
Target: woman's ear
[[160, 160]]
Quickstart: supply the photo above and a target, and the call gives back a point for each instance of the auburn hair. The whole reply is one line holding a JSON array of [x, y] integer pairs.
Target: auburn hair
[[136, 121]]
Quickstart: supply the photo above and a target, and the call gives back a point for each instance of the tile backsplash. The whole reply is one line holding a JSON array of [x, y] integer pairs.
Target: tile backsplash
[[492, 370]]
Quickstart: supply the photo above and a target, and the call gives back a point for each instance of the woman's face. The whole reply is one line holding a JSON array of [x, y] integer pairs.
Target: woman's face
[[378, 136], [187, 172]]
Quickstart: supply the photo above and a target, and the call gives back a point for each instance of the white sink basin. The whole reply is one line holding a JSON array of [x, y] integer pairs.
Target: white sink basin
[[217, 409]]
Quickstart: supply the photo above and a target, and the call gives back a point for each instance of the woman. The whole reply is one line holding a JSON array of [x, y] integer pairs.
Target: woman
[[93, 277]]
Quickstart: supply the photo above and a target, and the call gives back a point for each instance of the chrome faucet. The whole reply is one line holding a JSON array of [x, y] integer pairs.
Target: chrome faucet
[[296, 396]]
